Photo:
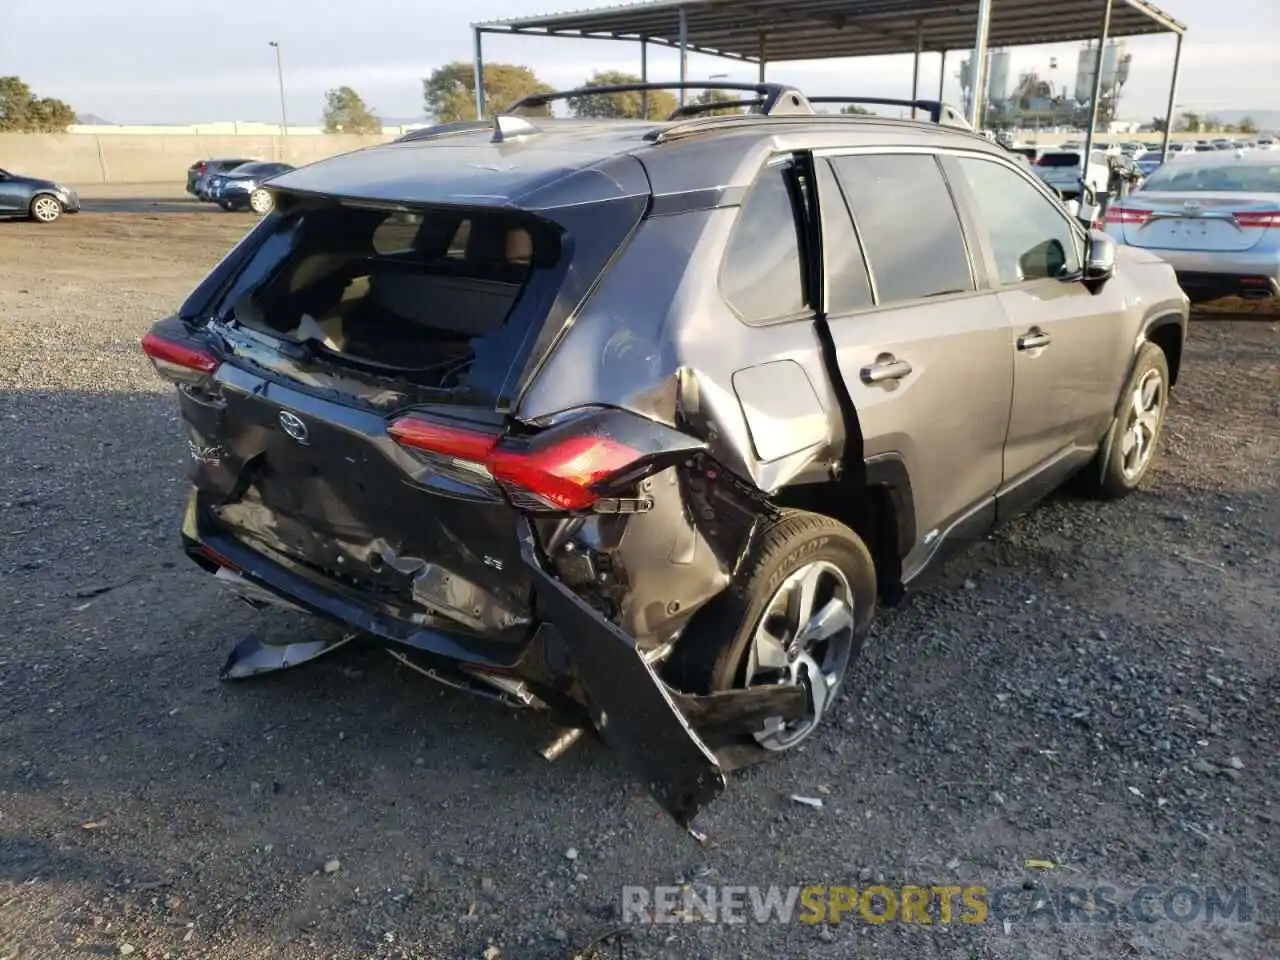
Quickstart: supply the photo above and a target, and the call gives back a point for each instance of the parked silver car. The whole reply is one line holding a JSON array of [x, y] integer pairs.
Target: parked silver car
[[1215, 218]]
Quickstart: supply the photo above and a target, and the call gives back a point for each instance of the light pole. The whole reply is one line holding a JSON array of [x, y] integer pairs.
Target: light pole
[[284, 122]]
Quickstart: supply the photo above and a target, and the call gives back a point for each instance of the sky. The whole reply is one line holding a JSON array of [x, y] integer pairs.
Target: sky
[[173, 61]]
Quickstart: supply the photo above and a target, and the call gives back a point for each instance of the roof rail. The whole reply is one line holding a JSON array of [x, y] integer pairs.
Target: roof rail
[[771, 99], [435, 131], [938, 111]]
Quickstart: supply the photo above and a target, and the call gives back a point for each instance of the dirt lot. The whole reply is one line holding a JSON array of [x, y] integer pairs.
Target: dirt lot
[[1096, 685]]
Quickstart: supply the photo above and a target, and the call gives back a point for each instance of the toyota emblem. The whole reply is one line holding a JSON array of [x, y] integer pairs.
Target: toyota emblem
[[292, 424]]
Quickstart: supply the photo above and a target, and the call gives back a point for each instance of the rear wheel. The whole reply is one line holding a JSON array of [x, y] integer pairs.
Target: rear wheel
[[45, 208], [1136, 431], [798, 614]]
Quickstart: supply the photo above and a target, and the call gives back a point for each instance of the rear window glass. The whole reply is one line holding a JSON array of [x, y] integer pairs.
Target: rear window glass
[[908, 225], [425, 292], [1058, 160], [1228, 177]]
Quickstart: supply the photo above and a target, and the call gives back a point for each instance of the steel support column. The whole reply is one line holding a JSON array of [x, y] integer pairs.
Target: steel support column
[[684, 52], [978, 65], [1173, 96], [1097, 86], [764, 54], [915, 67], [644, 76], [942, 77], [479, 76]]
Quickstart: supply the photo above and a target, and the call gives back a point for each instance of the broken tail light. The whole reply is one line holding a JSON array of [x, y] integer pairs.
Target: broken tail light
[[1118, 214], [178, 362], [567, 467], [1257, 219]]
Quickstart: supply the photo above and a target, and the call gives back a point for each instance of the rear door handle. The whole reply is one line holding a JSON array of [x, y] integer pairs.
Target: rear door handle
[[885, 368], [1033, 339]]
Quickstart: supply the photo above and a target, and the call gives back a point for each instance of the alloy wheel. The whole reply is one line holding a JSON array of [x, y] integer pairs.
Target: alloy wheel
[[1142, 424], [261, 202], [804, 637], [46, 209]]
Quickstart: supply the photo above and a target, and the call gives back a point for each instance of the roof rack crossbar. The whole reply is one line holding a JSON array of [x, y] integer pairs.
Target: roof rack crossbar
[[771, 96], [938, 111]]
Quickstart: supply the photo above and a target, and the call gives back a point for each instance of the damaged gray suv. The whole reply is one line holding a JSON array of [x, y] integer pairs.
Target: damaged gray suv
[[636, 421]]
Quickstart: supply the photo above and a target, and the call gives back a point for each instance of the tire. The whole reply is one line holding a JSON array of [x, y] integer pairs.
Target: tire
[[719, 649], [1130, 447], [45, 208], [261, 202]]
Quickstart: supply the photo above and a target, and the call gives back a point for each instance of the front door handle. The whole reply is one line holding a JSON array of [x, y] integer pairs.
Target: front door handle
[[886, 367], [1033, 339]]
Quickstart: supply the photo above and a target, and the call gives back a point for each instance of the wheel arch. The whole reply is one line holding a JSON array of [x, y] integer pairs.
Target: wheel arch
[[877, 503], [1168, 332]]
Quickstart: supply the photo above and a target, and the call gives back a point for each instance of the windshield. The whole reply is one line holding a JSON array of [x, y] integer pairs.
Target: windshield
[[1149, 155], [260, 169], [1218, 178], [1058, 160]]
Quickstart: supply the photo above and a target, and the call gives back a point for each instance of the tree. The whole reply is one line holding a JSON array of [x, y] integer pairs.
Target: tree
[[1247, 125], [717, 96], [1211, 124], [345, 112], [620, 106], [1190, 123], [1157, 124], [449, 94], [855, 110], [21, 111]]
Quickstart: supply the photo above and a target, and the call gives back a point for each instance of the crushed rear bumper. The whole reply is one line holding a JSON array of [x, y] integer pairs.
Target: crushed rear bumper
[[655, 730]]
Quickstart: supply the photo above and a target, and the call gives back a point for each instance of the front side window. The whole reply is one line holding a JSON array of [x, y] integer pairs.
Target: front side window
[[1030, 237], [763, 272], [908, 225]]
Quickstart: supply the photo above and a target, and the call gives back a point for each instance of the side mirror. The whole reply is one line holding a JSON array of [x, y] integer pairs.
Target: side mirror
[[1100, 263]]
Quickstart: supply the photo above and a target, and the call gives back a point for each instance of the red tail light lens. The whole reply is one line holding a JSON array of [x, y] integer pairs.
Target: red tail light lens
[[1258, 219], [560, 472], [564, 472], [1126, 215], [178, 360], [420, 434]]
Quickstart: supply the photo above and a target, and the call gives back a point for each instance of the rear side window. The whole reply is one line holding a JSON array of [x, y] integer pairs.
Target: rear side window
[[1058, 160], [763, 272], [908, 223]]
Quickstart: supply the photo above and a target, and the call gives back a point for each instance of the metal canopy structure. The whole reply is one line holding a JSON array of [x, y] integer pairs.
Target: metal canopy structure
[[783, 30], [765, 31]]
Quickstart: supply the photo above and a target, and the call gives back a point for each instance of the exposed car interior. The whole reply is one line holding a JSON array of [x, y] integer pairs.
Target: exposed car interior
[[409, 290]]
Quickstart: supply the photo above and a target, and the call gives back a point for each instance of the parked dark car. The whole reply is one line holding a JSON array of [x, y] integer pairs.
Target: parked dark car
[[41, 200], [244, 188], [636, 421], [199, 172]]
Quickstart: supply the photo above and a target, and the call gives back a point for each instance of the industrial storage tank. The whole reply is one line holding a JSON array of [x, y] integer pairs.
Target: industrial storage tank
[[1085, 64], [998, 76], [1110, 64]]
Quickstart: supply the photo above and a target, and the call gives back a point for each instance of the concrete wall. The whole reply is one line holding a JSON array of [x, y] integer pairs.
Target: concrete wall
[[81, 159]]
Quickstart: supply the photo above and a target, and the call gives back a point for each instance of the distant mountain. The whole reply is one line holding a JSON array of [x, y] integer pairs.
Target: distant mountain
[[91, 119]]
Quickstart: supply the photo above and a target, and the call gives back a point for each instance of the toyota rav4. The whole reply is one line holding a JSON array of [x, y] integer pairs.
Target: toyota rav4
[[637, 421]]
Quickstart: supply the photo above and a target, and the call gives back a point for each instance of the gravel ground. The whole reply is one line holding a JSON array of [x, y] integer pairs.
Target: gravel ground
[[1096, 685]]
